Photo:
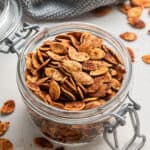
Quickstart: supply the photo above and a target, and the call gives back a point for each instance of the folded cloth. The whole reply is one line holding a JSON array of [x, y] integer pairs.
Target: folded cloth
[[60, 9]]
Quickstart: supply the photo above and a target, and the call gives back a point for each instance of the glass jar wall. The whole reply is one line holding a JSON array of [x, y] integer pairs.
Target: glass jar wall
[[69, 127]]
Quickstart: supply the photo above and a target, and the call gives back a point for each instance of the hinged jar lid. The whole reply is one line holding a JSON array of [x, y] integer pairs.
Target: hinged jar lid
[[13, 32], [10, 17]]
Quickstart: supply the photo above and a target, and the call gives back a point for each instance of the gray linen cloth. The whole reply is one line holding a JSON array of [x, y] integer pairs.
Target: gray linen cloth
[[60, 9]]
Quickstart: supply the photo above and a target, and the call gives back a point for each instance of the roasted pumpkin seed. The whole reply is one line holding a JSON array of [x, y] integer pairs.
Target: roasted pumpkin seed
[[74, 106], [54, 90], [83, 78]]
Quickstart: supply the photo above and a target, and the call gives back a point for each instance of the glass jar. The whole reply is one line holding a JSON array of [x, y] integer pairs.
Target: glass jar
[[61, 126], [9, 9], [69, 127]]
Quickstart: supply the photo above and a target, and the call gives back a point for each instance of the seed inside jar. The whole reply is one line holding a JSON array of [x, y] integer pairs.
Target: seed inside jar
[[74, 71]]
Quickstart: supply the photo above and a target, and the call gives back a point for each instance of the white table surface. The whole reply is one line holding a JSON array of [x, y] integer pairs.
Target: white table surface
[[22, 129]]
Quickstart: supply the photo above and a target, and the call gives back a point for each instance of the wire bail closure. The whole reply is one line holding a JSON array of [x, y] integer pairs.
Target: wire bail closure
[[120, 120], [15, 41]]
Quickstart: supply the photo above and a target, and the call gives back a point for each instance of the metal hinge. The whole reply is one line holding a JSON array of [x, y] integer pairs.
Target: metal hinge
[[120, 120], [12, 43]]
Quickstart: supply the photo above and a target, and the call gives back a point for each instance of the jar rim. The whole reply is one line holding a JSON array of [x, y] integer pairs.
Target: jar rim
[[12, 9], [124, 87], [5, 9]]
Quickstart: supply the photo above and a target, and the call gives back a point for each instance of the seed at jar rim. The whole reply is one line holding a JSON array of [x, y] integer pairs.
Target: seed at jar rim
[[96, 53], [33, 86], [110, 95], [113, 55], [75, 38], [58, 48], [63, 41], [35, 62], [74, 41], [6, 144], [85, 42], [118, 58], [43, 142], [68, 94], [109, 91], [74, 106], [44, 48], [105, 48], [90, 99], [83, 78], [119, 76], [100, 71], [75, 34], [30, 77], [54, 74], [94, 104], [42, 95], [63, 36], [120, 68], [46, 43], [28, 60], [3, 127], [102, 101], [54, 56], [129, 36], [115, 84], [48, 99], [110, 58], [54, 90], [71, 65], [58, 105], [8, 107], [78, 56], [89, 41]]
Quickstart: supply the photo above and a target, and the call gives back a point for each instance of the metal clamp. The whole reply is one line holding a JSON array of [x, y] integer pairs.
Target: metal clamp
[[120, 120], [10, 44]]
